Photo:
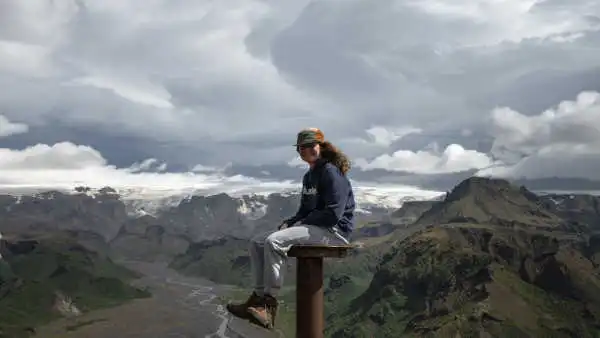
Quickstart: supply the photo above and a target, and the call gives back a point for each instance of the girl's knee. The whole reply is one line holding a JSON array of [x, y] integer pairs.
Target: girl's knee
[[272, 238]]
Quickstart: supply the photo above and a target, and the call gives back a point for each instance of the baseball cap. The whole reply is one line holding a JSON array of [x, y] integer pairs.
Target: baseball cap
[[309, 136]]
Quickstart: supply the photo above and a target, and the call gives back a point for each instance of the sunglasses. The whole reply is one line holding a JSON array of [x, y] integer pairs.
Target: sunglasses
[[305, 146]]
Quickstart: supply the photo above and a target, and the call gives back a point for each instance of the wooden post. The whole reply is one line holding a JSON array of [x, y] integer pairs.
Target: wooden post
[[309, 286]]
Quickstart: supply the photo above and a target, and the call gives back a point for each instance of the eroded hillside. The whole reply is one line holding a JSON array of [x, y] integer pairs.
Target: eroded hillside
[[47, 278], [494, 261]]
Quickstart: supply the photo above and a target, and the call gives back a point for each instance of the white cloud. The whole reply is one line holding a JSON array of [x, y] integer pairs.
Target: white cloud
[[8, 128], [174, 66], [297, 162], [386, 136], [66, 165], [571, 122], [371, 140], [149, 164], [512, 20], [24, 59], [377, 137], [61, 156], [453, 159], [141, 92], [233, 81], [199, 168], [563, 141]]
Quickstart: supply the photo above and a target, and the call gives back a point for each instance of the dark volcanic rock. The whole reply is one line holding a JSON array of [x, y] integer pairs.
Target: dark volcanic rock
[[103, 214], [412, 210], [583, 210], [494, 260]]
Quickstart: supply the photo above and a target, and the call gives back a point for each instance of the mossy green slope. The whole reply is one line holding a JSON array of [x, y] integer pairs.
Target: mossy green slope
[[38, 272], [496, 264]]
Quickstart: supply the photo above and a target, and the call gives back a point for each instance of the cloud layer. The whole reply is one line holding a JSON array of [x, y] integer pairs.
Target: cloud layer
[[65, 165], [412, 86], [562, 141]]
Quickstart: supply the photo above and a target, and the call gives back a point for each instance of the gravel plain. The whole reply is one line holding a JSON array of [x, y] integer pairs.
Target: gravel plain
[[181, 307]]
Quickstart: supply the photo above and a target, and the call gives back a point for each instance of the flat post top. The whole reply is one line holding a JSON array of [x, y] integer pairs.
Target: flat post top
[[320, 250]]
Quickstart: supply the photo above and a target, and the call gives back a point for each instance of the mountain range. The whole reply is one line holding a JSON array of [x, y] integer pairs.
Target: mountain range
[[155, 228], [59, 247], [492, 259], [489, 258]]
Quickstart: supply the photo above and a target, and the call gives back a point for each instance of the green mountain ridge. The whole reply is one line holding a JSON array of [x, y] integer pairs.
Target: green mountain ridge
[[45, 279], [467, 281], [493, 261]]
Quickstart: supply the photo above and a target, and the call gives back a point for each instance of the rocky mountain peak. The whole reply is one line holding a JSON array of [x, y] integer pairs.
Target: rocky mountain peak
[[496, 201], [489, 188]]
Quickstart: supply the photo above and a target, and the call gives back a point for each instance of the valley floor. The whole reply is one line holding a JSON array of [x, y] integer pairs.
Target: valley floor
[[181, 307]]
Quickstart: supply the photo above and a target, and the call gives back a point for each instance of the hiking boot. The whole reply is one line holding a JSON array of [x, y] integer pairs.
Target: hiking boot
[[241, 309], [265, 313]]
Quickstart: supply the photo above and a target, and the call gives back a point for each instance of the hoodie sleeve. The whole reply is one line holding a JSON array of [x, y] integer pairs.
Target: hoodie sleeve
[[302, 210], [334, 190]]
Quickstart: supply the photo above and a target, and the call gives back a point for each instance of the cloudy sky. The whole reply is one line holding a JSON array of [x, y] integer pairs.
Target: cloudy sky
[[114, 89]]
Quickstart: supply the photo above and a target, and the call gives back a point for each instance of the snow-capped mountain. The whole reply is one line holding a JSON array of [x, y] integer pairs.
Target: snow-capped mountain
[[145, 222], [146, 201], [368, 197]]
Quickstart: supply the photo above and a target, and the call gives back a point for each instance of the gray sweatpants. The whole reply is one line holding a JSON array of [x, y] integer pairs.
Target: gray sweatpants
[[268, 252]]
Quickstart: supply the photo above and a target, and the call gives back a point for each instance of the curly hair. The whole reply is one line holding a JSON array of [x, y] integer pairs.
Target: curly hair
[[335, 156]]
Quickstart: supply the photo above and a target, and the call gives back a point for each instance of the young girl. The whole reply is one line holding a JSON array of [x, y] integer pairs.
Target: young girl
[[325, 215]]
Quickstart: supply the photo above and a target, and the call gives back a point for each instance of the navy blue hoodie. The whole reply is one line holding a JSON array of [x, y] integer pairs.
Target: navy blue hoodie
[[327, 199]]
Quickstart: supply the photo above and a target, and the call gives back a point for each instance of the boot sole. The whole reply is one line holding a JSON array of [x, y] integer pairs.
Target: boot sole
[[256, 319]]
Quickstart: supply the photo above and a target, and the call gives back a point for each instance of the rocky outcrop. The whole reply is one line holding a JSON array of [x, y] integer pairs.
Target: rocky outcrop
[[103, 214], [465, 280], [155, 243], [103, 222], [65, 306], [582, 210], [378, 230], [198, 219], [493, 260], [492, 201], [412, 210]]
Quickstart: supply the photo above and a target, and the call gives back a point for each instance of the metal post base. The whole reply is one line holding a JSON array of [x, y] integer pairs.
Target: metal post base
[[309, 298]]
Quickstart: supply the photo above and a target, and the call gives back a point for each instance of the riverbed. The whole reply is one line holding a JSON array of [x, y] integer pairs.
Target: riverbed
[[180, 307]]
